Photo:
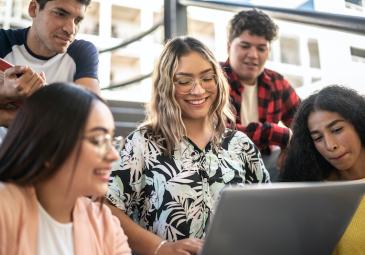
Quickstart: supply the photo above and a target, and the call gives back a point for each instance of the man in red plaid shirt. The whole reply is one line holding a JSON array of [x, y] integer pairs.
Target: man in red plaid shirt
[[264, 101]]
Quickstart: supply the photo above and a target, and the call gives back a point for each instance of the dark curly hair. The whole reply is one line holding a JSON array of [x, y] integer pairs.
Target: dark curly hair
[[303, 161], [255, 21]]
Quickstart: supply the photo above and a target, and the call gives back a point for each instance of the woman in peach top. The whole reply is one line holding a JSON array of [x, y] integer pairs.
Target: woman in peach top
[[58, 151]]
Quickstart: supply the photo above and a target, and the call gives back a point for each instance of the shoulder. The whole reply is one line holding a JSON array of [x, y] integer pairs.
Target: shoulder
[[274, 79], [10, 38], [13, 36], [83, 53], [230, 134], [16, 200], [94, 209], [9, 190], [139, 134], [235, 139], [98, 215], [78, 47]]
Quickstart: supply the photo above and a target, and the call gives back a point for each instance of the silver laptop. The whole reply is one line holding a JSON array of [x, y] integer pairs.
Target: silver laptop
[[282, 218]]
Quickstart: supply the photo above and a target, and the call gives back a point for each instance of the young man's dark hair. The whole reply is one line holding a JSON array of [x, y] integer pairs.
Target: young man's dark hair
[[255, 21], [42, 3]]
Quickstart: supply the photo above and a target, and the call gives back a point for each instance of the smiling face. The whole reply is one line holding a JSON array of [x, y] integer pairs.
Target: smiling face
[[247, 56], [196, 103], [338, 142], [93, 164], [54, 27]]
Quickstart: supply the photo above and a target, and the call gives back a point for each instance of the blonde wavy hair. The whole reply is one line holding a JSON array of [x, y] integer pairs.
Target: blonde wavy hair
[[164, 117]]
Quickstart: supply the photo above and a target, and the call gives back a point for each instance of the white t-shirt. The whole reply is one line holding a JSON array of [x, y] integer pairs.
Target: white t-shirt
[[249, 105], [53, 237]]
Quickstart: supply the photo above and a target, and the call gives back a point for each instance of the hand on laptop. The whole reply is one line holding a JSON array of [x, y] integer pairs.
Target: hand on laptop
[[184, 247]]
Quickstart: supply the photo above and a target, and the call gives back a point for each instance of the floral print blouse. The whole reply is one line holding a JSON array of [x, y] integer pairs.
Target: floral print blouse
[[174, 196]]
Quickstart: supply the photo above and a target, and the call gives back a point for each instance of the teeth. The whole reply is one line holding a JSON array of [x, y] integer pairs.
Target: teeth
[[197, 101], [101, 172]]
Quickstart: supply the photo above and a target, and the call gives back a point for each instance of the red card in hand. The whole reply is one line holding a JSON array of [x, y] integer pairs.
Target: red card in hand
[[4, 64]]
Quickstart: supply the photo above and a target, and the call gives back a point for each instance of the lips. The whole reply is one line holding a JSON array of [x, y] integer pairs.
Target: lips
[[64, 38], [250, 65], [103, 173], [197, 101], [338, 157]]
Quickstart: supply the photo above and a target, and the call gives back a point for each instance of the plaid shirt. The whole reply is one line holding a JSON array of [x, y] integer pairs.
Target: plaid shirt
[[277, 101]]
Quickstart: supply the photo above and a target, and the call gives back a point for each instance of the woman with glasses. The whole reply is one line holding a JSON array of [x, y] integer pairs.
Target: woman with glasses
[[177, 162], [58, 151]]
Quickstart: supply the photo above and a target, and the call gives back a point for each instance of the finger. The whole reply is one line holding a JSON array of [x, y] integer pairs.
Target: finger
[[195, 246], [39, 84], [33, 84], [15, 71], [43, 76], [25, 80], [183, 252]]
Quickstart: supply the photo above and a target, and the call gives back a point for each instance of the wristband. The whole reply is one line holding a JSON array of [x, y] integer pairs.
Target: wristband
[[159, 247]]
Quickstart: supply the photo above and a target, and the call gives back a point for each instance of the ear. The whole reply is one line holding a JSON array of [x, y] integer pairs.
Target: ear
[[32, 9]]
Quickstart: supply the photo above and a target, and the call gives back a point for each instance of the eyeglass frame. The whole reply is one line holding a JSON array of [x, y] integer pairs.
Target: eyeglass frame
[[193, 82], [106, 143]]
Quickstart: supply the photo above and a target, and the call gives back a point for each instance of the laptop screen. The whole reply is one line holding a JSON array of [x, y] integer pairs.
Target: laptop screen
[[282, 218]]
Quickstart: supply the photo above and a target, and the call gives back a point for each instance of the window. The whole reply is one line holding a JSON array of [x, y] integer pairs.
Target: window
[[90, 24], [357, 54], [294, 80], [354, 4], [289, 48], [314, 60], [123, 68], [125, 21]]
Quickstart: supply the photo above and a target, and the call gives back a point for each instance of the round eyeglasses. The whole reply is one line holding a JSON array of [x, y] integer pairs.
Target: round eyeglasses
[[105, 142], [185, 84]]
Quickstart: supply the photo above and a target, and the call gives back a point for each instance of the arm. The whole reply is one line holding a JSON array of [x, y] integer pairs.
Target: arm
[[86, 58], [127, 195], [264, 134], [251, 160], [89, 83], [144, 242], [140, 240], [283, 108]]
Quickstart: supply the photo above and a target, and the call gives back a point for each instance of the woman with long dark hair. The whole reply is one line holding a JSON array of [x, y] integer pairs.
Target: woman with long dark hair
[[328, 143], [58, 151]]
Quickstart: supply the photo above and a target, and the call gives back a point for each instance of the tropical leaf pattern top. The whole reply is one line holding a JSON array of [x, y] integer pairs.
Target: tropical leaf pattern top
[[174, 196]]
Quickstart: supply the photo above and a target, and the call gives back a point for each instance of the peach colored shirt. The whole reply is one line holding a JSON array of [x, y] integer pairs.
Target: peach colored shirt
[[96, 231]]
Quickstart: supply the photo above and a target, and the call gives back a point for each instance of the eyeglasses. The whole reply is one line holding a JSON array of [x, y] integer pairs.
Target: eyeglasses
[[184, 85], [105, 143]]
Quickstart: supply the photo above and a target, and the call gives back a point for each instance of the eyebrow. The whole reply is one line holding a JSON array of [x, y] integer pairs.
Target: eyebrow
[[329, 125], [190, 74], [60, 9], [260, 44], [95, 129]]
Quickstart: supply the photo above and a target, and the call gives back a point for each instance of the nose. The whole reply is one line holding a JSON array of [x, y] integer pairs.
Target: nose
[[197, 88], [252, 52], [330, 142], [69, 26], [112, 154]]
